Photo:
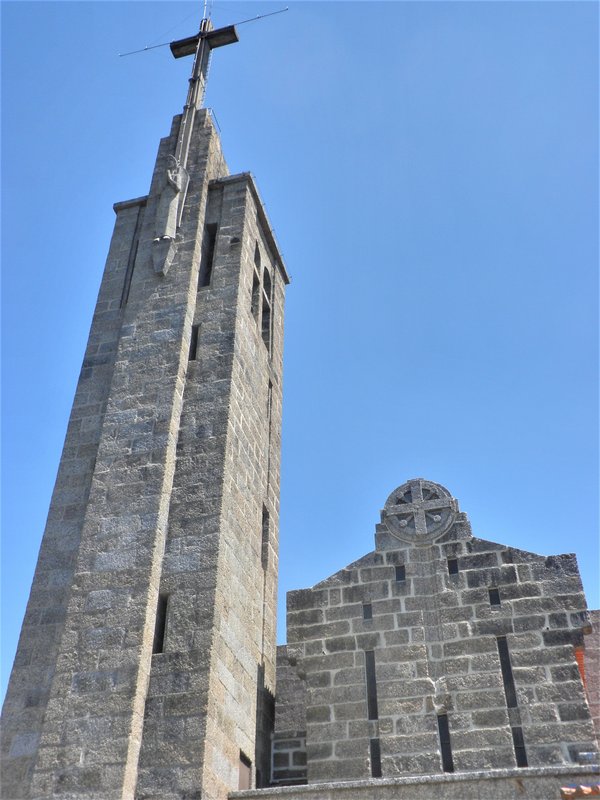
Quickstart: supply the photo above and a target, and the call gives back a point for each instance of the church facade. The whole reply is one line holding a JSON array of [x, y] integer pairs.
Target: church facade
[[437, 653], [147, 665]]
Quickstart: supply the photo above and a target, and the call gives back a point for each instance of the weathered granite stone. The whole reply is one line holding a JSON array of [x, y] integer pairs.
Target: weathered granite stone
[[168, 488], [436, 630]]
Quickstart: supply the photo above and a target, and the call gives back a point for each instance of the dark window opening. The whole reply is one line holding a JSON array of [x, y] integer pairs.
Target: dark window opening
[[519, 745], [255, 304], [245, 774], [367, 611], [375, 749], [194, 342], [507, 673], [446, 747], [453, 566], [266, 309], [264, 555], [207, 254], [160, 624], [494, 597], [372, 711], [400, 572]]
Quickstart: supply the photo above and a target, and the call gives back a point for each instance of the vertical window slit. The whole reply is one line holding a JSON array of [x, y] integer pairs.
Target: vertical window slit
[[264, 555], [207, 254], [400, 572], [519, 745], [160, 624], [375, 749], [194, 342], [255, 295], [367, 611], [372, 711], [446, 747], [510, 691], [266, 309]]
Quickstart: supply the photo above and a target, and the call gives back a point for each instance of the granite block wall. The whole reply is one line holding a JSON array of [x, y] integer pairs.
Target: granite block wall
[[439, 630]]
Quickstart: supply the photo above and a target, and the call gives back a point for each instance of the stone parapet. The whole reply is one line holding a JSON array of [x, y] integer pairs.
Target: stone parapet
[[531, 783]]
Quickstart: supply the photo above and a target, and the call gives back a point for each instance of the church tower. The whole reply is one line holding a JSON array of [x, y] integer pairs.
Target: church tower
[[146, 662]]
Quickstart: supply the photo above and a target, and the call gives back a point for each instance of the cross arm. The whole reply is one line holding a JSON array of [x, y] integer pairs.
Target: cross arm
[[216, 38]]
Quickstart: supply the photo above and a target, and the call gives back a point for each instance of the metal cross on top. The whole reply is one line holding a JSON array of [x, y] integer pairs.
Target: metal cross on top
[[420, 508], [201, 46], [176, 179]]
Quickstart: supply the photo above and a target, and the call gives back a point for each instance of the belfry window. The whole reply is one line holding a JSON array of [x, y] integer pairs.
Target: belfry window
[[266, 309], [255, 303]]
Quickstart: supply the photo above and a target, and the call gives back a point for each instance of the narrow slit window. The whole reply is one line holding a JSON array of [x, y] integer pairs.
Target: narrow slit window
[[160, 624], [194, 342], [400, 573], [207, 255], [375, 749], [453, 566], [372, 711], [264, 555], [245, 772], [494, 597], [510, 691], [367, 611], [255, 304], [446, 747], [519, 745], [266, 309]]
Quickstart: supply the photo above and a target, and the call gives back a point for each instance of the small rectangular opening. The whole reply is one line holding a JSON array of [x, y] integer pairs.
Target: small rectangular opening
[[375, 749], [245, 773], [367, 611], [207, 254], [400, 572], [446, 747], [453, 566], [264, 555], [194, 342], [160, 624], [372, 710], [494, 597], [519, 745], [510, 691]]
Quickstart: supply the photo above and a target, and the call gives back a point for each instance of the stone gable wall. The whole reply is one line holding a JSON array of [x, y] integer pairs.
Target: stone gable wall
[[434, 638]]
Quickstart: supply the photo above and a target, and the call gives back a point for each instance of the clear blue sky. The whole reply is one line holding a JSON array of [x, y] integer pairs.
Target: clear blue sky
[[431, 171]]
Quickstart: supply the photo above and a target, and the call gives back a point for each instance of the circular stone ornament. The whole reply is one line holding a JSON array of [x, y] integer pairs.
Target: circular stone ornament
[[419, 511]]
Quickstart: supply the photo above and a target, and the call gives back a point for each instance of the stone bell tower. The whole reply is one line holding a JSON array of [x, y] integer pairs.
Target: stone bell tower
[[146, 663]]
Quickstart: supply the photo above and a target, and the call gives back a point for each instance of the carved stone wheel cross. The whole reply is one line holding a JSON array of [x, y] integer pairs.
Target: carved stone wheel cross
[[419, 511]]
